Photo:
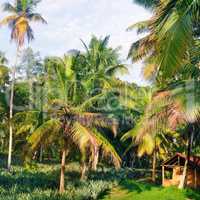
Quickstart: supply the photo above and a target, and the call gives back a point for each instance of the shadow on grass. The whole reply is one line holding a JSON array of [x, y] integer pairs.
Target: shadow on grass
[[27, 181], [131, 186], [192, 194]]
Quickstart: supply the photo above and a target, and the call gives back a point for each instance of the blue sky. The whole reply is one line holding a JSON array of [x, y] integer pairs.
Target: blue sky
[[70, 20]]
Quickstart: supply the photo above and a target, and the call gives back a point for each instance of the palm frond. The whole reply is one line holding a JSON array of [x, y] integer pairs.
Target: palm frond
[[142, 48], [8, 20], [141, 27], [107, 148], [46, 134], [98, 120], [9, 8], [135, 131], [82, 136], [147, 3], [113, 70], [147, 145], [175, 36], [36, 17], [25, 121]]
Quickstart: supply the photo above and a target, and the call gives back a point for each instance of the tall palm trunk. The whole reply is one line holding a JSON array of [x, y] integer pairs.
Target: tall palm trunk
[[41, 120], [154, 166], [183, 180], [62, 172], [11, 111], [83, 170], [41, 154], [95, 159]]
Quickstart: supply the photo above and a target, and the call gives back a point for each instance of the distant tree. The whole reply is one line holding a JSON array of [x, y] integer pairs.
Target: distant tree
[[30, 66], [4, 70], [30, 69], [4, 80]]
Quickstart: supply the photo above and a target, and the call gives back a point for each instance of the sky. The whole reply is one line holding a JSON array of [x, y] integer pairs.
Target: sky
[[72, 20]]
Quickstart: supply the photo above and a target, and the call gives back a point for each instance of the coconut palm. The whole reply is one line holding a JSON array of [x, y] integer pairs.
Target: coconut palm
[[68, 122], [167, 110], [174, 25], [172, 36], [102, 64], [152, 132], [21, 14]]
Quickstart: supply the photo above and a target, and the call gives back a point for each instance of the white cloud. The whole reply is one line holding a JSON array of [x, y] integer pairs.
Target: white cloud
[[70, 20]]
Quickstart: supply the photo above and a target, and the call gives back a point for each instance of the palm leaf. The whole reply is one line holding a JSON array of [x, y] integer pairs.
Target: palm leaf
[[9, 8], [175, 36], [47, 133], [36, 17], [25, 121], [8, 20], [141, 27], [107, 147]]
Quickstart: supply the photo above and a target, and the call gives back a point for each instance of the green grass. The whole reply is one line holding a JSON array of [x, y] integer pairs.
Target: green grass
[[42, 181], [132, 190]]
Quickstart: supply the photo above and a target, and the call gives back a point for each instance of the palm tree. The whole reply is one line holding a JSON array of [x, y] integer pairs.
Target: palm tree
[[102, 64], [171, 51], [172, 36], [152, 131], [22, 13], [165, 111], [69, 122], [174, 24]]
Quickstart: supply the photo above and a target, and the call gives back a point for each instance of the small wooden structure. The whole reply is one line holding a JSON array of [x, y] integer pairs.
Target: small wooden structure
[[176, 166]]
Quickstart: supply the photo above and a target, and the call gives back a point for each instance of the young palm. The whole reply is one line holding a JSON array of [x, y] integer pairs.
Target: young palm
[[165, 111], [153, 130], [21, 14]]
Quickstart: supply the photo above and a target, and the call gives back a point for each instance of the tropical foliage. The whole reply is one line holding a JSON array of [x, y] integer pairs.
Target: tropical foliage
[[74, 108]]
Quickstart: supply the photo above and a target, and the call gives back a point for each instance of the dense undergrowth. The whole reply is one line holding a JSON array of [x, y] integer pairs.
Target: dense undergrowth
[[42, 180]]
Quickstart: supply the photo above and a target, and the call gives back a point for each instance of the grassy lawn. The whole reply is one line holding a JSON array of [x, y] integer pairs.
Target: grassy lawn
[[131, 190]]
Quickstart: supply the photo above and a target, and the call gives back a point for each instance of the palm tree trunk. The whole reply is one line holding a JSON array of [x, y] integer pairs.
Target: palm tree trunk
[[41, 154], [83, 170], [41, 117], [183, 180], [154, 166], [62, 172], [11, 111], [95, 159]]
